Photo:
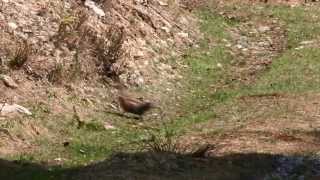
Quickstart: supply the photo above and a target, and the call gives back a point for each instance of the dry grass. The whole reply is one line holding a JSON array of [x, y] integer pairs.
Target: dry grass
[[70, 28], [78, 36], [21, 55], [108, 50], [56, 75]]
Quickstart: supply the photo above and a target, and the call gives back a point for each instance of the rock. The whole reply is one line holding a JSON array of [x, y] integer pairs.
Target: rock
[[8, 81], [12, 25], [161, 3], [239, 46], [92, 5], [165, 29], [183, 35], [58, 159], [264, 29], [6, 109]]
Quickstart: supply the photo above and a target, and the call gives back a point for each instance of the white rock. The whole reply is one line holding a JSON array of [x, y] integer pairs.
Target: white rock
[[183, 35], [6, 109], [140, 81], [165, 29], [92, 5], [163, 3], [13, 25], [58, 159], [263, 29], [239, 46]]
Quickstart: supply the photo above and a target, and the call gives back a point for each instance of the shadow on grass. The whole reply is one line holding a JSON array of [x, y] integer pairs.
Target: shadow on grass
[[156, 166]]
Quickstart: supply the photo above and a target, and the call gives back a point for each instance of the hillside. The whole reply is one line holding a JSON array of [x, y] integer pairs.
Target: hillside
[[234, 88], [63, 54]]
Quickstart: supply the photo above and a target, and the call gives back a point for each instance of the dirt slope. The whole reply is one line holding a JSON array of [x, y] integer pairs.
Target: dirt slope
[[62, 54]]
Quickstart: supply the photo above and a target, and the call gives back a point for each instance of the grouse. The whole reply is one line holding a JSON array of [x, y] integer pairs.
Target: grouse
[[134, 106]]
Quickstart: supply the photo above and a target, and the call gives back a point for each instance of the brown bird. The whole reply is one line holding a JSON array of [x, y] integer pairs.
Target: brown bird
[[134, 106]]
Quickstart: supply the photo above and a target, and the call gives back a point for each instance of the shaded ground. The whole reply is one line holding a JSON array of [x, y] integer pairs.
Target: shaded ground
[[167, 166]]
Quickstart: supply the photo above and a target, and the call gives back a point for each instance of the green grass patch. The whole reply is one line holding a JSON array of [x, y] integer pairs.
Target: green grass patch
[[208, 69], [294, 72], [302, 22]]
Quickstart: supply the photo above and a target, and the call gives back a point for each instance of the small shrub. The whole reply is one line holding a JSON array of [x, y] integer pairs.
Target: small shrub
[[69, 28], [108, 50], [75, 67], [21, 55], [162, 141], [56, 74]]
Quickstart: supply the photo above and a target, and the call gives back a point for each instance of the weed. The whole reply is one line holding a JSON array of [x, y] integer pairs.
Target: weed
[[161, 141], [56, 75], [300, 22], [109, 51], [24, 159], [94, 126], [21, 55], [69, 28], [75, 67]]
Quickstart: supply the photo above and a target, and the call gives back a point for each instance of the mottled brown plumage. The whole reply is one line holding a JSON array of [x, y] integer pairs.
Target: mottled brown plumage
[[134, 106]]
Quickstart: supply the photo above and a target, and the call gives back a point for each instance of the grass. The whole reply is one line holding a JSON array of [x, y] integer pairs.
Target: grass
[[294, 72], [21, 55], [302, 22], [213, 95]]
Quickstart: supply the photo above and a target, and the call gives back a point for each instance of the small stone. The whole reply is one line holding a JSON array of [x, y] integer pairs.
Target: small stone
[[8, 81], [183, 35], [166, 29], [96, 9], [58, 159], [239, 46], [163, 3], [264, 29], [13, 25]]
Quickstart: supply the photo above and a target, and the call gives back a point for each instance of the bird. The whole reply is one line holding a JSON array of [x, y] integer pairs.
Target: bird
[[134, 106]]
